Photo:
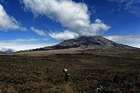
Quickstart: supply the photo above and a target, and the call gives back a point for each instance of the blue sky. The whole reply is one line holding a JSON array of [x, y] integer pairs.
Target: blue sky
[[27, 24]]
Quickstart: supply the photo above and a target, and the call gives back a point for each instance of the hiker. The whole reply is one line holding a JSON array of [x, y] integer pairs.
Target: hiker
[[67, 75], [116, 79], [100, 89]]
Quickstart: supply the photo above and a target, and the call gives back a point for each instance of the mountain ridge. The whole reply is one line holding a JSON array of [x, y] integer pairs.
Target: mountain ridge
[[86, 42]]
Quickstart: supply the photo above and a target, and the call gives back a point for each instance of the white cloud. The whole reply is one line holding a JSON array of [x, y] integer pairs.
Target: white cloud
[[22, 44], [39, 32], [131, 40], [73, 16], [6, 21], [64, 35]]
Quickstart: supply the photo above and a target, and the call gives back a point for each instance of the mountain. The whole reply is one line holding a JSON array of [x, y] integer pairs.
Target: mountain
[[1, 53], [94, 45], [85, 42], [6, 51], [90, 42]]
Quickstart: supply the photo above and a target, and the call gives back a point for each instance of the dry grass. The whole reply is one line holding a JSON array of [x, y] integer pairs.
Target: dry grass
[[43, 74]]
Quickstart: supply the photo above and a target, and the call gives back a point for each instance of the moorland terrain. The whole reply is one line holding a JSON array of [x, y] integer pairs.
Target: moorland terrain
[[93, 63]]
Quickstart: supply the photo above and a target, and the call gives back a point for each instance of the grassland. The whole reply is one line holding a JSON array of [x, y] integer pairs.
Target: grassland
[[43, 74]]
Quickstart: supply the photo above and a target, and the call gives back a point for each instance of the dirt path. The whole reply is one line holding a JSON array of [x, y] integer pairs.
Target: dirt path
[[68, 88]]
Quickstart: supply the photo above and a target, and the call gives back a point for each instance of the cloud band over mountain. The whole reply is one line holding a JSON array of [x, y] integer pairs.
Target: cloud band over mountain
[[73, 16]]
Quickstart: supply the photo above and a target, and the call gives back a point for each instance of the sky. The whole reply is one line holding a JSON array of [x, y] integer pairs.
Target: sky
[[29, 24]]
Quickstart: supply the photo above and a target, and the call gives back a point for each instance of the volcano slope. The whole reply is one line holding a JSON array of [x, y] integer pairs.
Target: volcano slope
[[91, 65]]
